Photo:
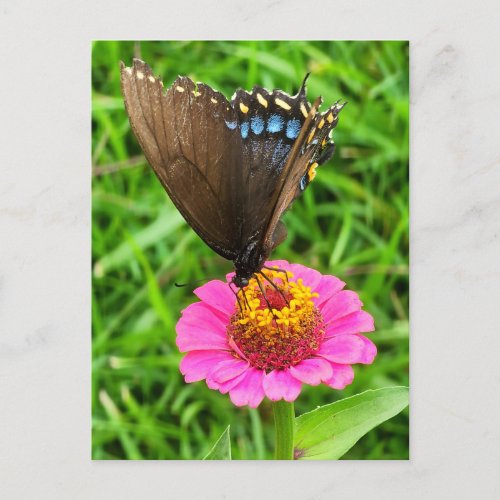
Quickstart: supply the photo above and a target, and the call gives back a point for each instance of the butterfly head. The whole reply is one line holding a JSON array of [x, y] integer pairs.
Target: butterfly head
[[248, 262], [240, 281]]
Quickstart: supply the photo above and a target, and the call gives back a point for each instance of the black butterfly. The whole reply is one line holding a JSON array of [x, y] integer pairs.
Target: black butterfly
[[231, 168]]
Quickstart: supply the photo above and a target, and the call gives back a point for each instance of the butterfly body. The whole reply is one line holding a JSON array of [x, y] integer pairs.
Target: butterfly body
[[231, 168]]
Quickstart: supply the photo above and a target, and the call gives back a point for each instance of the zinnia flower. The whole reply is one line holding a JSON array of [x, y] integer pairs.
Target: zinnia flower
[[304, 329]]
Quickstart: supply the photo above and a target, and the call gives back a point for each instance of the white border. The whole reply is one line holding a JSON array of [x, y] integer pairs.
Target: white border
[[45, 247]]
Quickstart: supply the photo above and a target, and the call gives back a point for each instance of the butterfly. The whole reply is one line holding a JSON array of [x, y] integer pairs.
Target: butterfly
[[231, 168]]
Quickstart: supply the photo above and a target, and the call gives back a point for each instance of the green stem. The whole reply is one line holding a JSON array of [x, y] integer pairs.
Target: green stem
[[284, 416]]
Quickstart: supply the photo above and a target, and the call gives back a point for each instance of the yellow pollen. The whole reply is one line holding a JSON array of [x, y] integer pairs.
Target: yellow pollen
[[312, 171], [261, 100], [303, 109], [276, 323], [244, 109], [282, 104], [298, 296]]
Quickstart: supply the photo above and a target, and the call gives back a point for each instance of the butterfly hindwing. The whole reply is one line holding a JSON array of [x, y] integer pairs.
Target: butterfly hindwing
[[313, 147], [269, 123]]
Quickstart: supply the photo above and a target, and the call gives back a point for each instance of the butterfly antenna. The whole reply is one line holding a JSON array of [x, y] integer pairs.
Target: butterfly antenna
[[302, 89], [180, 285]]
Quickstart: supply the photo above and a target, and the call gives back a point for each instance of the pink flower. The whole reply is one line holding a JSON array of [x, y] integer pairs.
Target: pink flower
[[304, 329]]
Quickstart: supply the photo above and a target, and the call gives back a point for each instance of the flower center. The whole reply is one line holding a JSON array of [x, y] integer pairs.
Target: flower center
[[276, 324]]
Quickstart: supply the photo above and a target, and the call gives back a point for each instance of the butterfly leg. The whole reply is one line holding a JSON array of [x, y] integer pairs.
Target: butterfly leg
[[276, 269], [276, 287], [237, 298], [264, 294], [245, 297]]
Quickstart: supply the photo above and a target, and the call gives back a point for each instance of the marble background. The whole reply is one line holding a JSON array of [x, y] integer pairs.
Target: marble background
[[45, 247]]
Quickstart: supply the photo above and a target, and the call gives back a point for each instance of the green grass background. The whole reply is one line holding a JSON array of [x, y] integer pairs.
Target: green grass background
[[351, 222]]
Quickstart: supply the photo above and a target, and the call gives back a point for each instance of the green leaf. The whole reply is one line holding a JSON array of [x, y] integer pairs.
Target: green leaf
[[331, 430], [221, 449]]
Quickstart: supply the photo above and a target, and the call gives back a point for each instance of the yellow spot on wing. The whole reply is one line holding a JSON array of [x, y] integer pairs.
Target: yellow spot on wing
[[213, 100], [244, 109], [282, 104], [330, 118], [311, 135], [261, 100], [303, 109], [140, 75], [179, 88], [312, 171], [151, 78], [321, 123]]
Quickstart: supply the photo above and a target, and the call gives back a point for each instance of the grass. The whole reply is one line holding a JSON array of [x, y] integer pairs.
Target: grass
[[352, 222]]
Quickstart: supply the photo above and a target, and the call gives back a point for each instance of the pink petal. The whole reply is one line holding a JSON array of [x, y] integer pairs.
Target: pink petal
[[234, 347], [342, 375], [344, 349], [200, 329], [218, 295], [279, 384], [370, 350], [356, 322], [339, 305], [312, 371], [196, 364], [310, 277], [249, 391], [229, 377], [281, 264], [225, 387], [326, 288], [228, 370]]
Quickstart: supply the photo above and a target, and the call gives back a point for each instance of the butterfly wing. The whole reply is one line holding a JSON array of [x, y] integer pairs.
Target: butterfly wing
[[190, 137], [313, 147], [230, 169], [283, 141], [269, 124]]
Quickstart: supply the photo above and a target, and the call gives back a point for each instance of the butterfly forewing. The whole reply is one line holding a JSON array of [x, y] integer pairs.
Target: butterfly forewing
[[185, 137]]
